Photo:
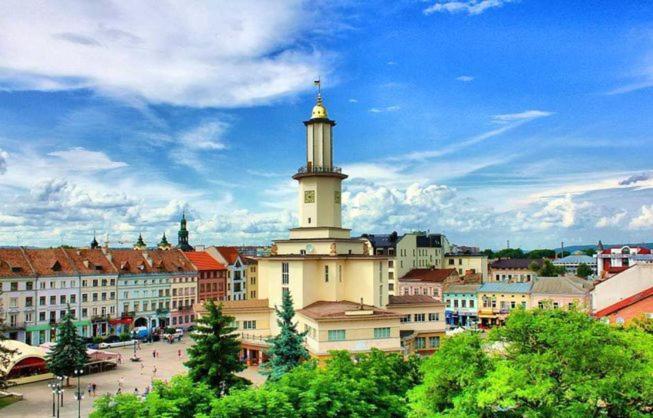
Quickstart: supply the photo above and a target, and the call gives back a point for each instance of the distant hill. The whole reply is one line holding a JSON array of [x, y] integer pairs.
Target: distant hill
[[573, 248]]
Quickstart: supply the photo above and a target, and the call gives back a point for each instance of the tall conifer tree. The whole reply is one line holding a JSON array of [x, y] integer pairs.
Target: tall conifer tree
[[214, 358], [69, 352], [287, 348]]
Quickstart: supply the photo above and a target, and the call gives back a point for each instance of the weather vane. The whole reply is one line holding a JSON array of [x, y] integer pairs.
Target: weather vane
[[317, 83]]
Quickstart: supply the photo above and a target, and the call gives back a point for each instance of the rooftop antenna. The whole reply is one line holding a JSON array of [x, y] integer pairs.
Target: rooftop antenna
[[507, 243]]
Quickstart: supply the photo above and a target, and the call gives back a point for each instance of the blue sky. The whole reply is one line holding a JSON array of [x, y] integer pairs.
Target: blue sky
[[487, 120]]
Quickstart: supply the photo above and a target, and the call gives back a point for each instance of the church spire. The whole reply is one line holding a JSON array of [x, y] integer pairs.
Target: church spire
[[140, 243], [94, 243], [164, 244], [182, 235]]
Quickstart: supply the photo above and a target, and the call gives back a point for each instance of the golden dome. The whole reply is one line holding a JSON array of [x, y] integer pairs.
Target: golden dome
[[319, 111]]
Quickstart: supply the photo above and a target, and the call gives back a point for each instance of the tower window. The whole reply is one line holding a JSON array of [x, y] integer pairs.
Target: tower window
[[309, 220], [326, 274]]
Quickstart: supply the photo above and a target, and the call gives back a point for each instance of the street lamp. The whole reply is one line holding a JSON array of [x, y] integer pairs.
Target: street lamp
[[57, 393], [79, 395]]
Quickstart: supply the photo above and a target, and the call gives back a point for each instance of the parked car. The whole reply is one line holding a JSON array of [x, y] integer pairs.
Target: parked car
[[116, 344]]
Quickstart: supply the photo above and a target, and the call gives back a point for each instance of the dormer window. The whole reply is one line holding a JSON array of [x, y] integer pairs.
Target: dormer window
[[56, 266], [124, 266], [16, 269], [98, 267]]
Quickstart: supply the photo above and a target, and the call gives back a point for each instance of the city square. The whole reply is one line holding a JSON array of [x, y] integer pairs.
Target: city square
[[37, 397], [307, 209]]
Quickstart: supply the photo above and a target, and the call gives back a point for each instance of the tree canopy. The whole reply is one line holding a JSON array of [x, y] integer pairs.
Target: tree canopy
[[547, 268], [367, 385], [214, 358], [286, 349], [69, 351], [542, 363], [583, 271]]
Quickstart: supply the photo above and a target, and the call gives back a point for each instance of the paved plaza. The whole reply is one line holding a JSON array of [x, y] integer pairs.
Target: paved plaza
[[38, 397]]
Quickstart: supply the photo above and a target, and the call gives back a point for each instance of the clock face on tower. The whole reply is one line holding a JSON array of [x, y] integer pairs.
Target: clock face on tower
[[309, 196]]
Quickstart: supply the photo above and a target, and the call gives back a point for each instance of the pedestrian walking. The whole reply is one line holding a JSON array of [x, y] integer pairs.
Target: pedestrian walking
[[153, 353], [142, 367], [179, 354], [119, 391], [94, 388], [89, 388], [154, 371]]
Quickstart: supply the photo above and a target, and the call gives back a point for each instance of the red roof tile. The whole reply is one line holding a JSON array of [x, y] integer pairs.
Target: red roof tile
[[50, 262], [130, 261], [625, 302], [229, 253], [14, 264], [203, 261], [90, 261], [339, 309], [429, 275]]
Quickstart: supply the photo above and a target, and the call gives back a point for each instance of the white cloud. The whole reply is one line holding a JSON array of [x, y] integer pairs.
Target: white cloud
[[644, 220], [84, 160], [609, 221], [210, 54], [353, 101], [206, 136], [4, 156], [465, 78], [526, 115], [471, 7], [393, 108]]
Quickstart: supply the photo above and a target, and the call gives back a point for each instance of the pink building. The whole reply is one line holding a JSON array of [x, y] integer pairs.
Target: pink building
[[560, 292], [429, 282]]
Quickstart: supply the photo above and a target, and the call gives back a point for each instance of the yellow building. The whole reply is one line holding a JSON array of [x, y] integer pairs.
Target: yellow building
[[464, 263], [251, 276], [420, 250], [339, 289], [496, 300]]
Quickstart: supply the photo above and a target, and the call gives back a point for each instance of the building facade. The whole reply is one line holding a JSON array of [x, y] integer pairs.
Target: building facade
[[420, 250], [512, 270], [562, 292], [617, 259], [428, 282], [468, 264], [571, 262], [211, 277], [236, 271], [251, 276], [496, 300], [339, 288], [461, 304]]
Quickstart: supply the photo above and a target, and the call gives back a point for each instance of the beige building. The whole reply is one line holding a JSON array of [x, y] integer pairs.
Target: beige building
[[420, 250], [468, 263], [251, 276], [339, 289]]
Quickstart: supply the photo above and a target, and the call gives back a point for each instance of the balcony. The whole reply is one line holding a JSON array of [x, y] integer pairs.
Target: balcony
[[100, 318], [261, 339], [319, 170]]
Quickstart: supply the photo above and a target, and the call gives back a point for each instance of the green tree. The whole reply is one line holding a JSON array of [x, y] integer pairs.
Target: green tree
[[69, 351], [213, 359], [589, 251], [547, 268], [510, 253], [286, 348], [583, 271], [489, 253], [542, 363], [5, 352], [542, 253], [369, 385]]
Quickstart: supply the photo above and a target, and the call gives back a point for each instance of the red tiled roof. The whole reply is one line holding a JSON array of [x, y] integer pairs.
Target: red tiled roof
[[625, 302], [337, 310], [229, 253], [411, 299], [130, 261], [170, 260], [50, 262], [203, 261], [429, 275], [13, 263], [90, 261]]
